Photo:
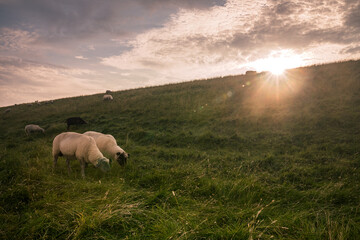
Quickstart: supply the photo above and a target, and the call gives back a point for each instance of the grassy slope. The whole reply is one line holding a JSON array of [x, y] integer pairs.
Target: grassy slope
[[232, 158]]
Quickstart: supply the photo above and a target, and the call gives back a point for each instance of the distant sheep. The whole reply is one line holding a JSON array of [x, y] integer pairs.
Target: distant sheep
[[107, 97], [74, 121], [251, 73], [108, 91], [73, 145], [7, 110], [48, 102], [31, 128], [108, 146]]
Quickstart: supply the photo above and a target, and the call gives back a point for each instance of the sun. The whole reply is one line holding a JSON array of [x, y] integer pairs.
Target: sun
[[276, 68], [277, 62]]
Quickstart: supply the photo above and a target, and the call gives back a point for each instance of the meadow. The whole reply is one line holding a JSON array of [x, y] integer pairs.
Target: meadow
[[237, 157]]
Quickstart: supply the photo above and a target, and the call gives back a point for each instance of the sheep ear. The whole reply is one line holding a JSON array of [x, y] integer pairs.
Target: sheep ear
[[128, 155], [118, 153]]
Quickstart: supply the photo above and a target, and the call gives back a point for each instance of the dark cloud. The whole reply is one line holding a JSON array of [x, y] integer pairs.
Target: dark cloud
[[183, 3], [285, 8], [353, 18], [351, 50], [69, 20]]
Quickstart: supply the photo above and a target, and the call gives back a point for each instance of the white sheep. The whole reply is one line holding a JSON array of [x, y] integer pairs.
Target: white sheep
[[78, 146], [108, 146], [107, 97], [33, 128]]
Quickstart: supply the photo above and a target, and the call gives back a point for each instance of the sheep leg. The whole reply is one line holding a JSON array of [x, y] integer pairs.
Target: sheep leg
[[55, 161], [68, 165], [83, 164]]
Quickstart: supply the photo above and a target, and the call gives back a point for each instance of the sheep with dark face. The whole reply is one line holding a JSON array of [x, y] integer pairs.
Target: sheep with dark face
[[73, 145], [108, 146], [32, 128], [74, 121]]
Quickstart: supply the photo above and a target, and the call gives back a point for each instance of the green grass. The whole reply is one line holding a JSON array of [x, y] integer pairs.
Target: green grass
[[239, 157]]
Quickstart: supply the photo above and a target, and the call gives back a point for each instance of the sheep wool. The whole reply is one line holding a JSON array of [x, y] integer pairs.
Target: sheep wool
[[107, 97], [108, 146], [73, 145], [33, 128]]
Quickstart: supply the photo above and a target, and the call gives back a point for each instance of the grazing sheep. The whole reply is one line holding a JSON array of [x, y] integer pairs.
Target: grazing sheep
[[78, 146], [107, 97], [7, 110], [74, 121], [33, 128], [108, 91], [108, 146]]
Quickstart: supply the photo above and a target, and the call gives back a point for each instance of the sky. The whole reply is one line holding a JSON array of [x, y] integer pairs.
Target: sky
[[52, 49]]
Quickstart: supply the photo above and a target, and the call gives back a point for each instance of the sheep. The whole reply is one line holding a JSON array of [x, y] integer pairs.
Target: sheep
[[74, 121], [107, 97], [7, 110], [30, 128], [108, 146], [251, 73], [73, 145], [108, 91]]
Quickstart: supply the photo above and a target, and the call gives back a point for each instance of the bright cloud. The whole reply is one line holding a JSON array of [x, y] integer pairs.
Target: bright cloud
[[81, 57]]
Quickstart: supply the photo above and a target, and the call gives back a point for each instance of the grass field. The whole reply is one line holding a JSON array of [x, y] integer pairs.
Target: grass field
[[239, 157]]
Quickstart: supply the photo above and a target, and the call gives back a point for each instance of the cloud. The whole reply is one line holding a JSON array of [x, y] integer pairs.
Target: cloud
[[352, 19], [16, 39], [24, 81], [351, 50], [67, 21], [81, 57], [201, 43]]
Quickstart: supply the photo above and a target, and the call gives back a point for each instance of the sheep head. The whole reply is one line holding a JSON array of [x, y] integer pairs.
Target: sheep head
[[121, 158], [103, 164]]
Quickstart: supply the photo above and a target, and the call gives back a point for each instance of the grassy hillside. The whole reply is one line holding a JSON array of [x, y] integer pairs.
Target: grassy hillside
[[240, 157]]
